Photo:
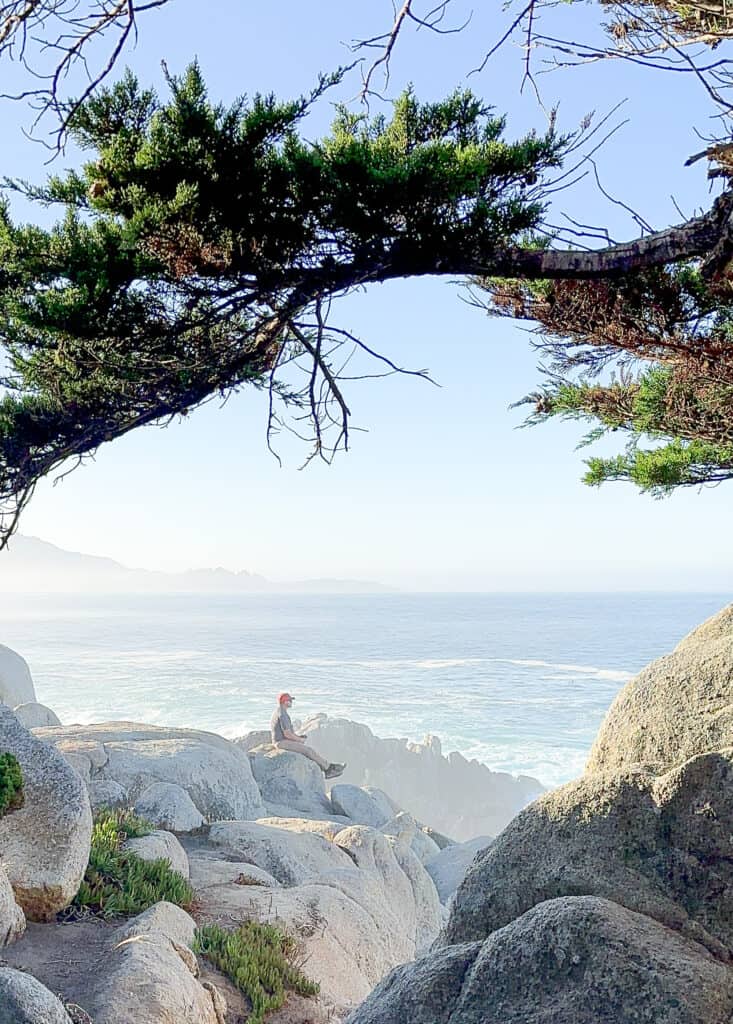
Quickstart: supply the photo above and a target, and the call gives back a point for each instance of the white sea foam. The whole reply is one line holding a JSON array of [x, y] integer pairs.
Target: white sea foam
[[616, 675]]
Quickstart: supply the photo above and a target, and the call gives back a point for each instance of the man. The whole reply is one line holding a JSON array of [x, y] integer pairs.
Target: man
[[284, 738]]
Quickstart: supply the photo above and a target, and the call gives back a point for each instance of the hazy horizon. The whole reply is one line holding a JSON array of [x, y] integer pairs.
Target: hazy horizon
[[38, 566]]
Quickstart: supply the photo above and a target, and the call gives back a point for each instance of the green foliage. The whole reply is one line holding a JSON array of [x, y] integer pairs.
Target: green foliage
[[197, 234], [117, 881], [258, 959], [11, 784]]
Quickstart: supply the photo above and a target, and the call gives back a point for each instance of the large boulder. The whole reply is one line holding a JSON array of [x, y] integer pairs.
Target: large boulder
[[291, 857], [577, 960], [107, 793], [23, 1000], [348, 934], [428, 912], [44, 846], [359, 805], [12, 918], [168, 806], [160, 845], [35, 716], [678, 706], [660, 846], [151, 977], [209, 871], [462, 798], [404, 827], [289, 779], [214, 772], [448, 867], [16, 684]]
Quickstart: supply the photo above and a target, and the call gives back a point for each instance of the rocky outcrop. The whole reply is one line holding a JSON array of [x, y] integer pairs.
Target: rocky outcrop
[[23, 1000], [16, 684], [12, 918], [328, 829], [359, 805], [160, 845], [293, 858], [107, 793], [610, 898], [290, 780], [35, 716], [461, 798], [404, 827], [169, 807], [214, 772], [358, 902], [577, 960], [678, 706], [151, 976], [208, 871], [44, 846], [658, 846], [448, 867]]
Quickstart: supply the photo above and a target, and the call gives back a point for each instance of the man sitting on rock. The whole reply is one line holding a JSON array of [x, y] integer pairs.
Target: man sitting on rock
[[284, 738]]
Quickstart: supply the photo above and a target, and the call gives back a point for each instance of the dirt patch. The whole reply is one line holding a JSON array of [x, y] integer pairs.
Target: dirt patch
[[63, 956]]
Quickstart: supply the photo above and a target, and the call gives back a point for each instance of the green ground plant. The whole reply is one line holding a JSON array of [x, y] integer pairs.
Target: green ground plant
[[117, 882], [260, 960], [11, 784]]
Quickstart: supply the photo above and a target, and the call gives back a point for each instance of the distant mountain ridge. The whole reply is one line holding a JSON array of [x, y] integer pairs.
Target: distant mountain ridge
[[31, 565]]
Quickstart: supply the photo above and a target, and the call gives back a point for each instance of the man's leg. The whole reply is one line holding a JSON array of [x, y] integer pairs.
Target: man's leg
[[305, 750]]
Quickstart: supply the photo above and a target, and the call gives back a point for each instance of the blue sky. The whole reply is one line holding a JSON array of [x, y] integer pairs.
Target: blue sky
[[442, 491]]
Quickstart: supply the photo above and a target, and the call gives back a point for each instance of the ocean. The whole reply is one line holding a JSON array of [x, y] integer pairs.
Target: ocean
[[518, 681]]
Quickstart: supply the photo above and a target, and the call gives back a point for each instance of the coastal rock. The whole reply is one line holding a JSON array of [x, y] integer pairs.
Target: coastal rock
[[448, 867], [256, 738], [151, 977], [35, 716], [387, 806], [678, 706], [107, 793], [292, 857], [164, 918], [168, 806], [461, 798], [428, 912], [206, 870], [23, 1000], [373, 852], [160, 845], [327, 829], [660, 846], [215, 773], [289, 779], [16, 684], [577, 960], [403, 826], [12, 918], [359, 805], [348, 935], [44, 845]]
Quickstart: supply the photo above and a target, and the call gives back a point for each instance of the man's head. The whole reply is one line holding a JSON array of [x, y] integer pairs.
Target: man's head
[[285, 700]]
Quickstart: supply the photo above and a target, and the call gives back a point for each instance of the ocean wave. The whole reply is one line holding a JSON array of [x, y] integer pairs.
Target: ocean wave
[[616, 675]]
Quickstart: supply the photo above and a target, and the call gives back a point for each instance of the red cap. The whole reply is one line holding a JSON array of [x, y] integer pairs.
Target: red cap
[[283, 696]]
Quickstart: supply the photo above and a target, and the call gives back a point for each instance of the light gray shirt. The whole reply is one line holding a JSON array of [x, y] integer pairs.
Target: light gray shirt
[[279, 722]]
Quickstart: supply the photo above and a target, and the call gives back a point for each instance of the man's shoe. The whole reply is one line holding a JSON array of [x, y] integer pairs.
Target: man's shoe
[[334, 770]]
